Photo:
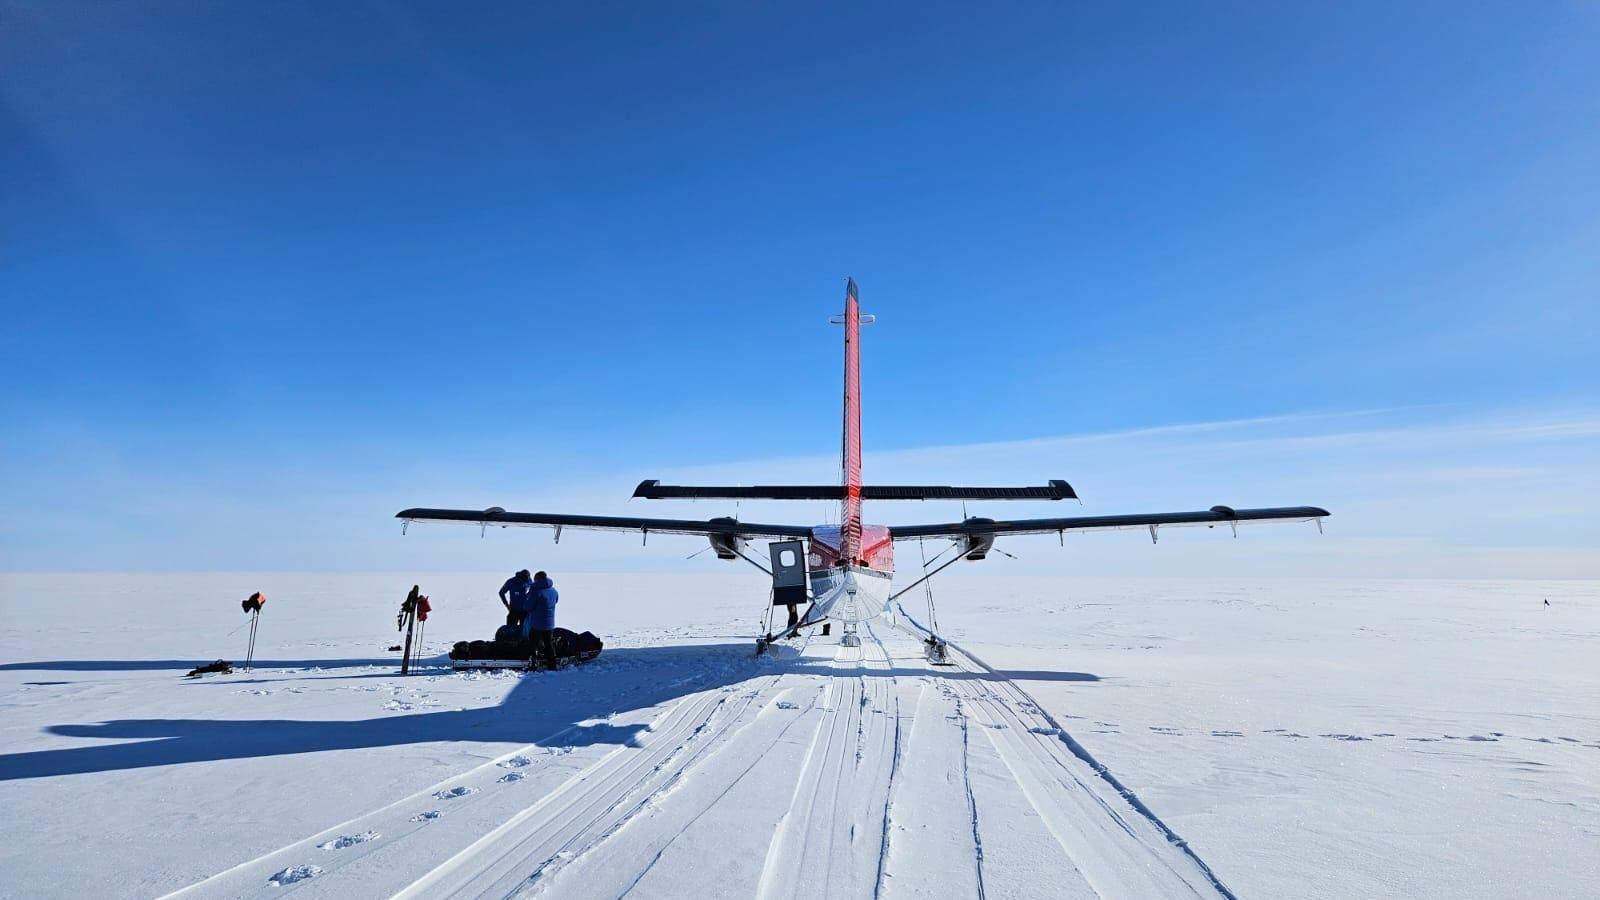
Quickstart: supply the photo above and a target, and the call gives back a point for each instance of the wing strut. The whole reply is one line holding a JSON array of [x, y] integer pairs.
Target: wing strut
[[946, 564]]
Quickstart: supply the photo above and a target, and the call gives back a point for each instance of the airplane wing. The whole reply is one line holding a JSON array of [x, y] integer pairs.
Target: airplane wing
[[494, 515], [1216, 515]]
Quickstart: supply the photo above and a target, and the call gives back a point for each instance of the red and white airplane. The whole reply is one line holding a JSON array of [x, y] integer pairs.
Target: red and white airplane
[[850, 565]]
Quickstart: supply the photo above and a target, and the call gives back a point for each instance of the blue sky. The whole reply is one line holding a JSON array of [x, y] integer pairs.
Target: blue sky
[[269, 272]]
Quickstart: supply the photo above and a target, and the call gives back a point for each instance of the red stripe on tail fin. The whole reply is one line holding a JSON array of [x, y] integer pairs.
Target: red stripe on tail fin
[[851, 518]]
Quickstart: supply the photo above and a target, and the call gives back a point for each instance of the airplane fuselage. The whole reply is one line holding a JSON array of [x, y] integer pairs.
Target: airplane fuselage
[[850, 594], [846, 589]]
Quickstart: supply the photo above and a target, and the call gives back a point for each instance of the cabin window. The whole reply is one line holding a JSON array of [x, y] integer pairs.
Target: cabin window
[[786, 558]]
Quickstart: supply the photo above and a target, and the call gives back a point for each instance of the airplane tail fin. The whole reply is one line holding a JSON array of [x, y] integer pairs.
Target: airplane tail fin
[[850, 475]]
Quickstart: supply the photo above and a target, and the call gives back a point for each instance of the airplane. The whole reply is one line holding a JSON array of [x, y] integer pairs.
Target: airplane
[[847, 568]]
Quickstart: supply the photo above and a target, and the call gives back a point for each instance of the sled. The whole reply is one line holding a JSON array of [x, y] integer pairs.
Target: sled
[[461, 665], [571, 648]]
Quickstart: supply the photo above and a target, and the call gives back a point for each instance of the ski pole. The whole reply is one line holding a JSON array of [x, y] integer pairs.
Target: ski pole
[[252, 606], [250, 653]]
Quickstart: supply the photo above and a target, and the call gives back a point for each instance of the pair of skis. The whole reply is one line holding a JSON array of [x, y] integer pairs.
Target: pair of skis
[[415, 609]]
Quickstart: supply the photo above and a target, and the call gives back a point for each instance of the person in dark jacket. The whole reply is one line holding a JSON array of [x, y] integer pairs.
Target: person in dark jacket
[[541, 621], [514, 597]]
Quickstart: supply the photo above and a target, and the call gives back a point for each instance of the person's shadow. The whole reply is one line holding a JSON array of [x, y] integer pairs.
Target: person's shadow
[[557, 709]]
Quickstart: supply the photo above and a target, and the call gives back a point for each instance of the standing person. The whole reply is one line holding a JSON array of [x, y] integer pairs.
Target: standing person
[[516, 588], [541, 621]]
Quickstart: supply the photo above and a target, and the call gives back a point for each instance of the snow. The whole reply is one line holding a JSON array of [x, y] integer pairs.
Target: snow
[[1095, 738], [349, 840], [293, 874]]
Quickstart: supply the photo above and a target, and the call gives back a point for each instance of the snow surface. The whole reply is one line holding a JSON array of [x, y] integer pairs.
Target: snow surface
[[1097, 738]]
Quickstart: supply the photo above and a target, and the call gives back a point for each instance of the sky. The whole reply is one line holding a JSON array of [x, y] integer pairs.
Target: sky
[[271, 272]]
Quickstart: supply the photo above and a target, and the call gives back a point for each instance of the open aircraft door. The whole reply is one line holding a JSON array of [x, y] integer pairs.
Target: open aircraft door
[[789, 577]]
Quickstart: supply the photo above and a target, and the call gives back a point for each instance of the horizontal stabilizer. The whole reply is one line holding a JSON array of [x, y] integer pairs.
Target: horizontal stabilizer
[[655, 490]]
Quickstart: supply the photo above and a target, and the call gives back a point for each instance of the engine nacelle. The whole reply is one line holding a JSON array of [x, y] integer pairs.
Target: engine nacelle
[[977, 546], [726, 546]]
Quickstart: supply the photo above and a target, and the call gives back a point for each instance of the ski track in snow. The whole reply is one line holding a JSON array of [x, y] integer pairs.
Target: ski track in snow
[[1117, 845], [586, 811], [846, 772]]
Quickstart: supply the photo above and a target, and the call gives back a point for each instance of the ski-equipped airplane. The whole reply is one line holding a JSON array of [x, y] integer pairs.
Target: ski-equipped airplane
[[846, 570]]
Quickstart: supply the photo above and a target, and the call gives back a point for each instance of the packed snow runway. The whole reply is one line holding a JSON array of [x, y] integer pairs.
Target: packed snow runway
[[826, 771], [679, 764]]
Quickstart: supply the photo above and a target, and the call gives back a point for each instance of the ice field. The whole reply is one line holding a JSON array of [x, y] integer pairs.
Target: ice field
[[1126, 738]]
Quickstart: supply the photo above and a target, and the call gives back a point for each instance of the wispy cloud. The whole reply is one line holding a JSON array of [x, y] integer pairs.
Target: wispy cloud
[[1413, 493]]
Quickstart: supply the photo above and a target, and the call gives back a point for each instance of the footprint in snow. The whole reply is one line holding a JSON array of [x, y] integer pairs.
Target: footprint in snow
[[1049, 732], [785, 704], [451, 794], [509, 777], [1164, 729], [293, 874], [348, 840], [1227, 734], [1346, 737], [428, 816], [515, 762]]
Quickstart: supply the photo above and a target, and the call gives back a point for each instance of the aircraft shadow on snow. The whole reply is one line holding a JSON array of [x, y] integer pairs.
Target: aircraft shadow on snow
[[650, 675]]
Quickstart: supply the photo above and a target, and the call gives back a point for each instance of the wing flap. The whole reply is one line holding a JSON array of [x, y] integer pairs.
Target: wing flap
[[497, 516], [1214, 516]]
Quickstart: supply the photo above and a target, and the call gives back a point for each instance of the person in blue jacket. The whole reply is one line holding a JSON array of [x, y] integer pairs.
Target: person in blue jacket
[[541, 621], [514, 597]]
